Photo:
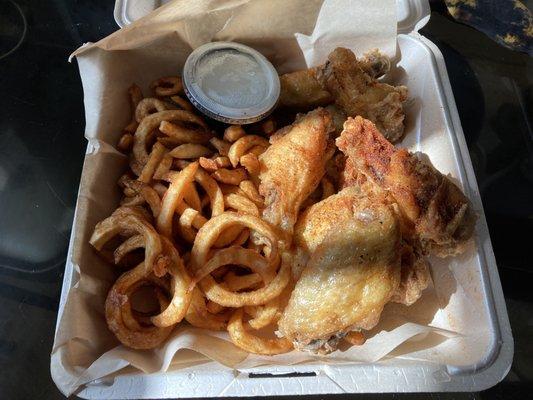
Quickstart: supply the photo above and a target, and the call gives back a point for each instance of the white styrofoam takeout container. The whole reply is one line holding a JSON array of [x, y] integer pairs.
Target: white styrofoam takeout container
[[486, 353]]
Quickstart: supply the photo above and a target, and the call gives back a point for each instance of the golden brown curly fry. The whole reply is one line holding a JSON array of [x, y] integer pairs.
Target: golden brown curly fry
[[167, 86]]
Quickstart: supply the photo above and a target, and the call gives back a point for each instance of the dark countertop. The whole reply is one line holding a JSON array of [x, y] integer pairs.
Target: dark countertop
[[42, 149]]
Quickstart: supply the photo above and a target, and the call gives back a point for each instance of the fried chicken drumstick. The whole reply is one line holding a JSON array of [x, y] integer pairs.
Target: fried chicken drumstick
[[357, 93]]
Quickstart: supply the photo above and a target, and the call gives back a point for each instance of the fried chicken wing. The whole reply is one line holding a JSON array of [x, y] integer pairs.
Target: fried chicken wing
[[441, 216], [353, 243], [415, 276], [358, 93], [291, 168], [352, 84]]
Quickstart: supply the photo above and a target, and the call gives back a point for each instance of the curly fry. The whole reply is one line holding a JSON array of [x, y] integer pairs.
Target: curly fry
[[130, 244], [169, 142], [212, 164], [228, 236], [198, 219], [252, 193], [222, 162], [217, 293], [125, 142], [149, 106], [128, 219], [134, 319], [209, 233], [181, 102], [236, 256], [178, 134], [136, 96], [257, 150], [185, 221], [268, 127], [214, 308], [188, 216], [139, 193], [208, 164], [251, 163], [173, 196], [198, 315], [241, 239], [264, 315], [233, 133], [117, 307], [235, 283], [241, 146], [231, 177], [190, 151], [179, 288], [192, 198], [167, 86], [253, 344], [151, 122], [157, 154], [164, 167], [221, 145], [241, 203], [152, 198], [212, 189]]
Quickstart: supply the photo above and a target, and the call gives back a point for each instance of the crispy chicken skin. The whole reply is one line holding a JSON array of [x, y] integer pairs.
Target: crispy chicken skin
[[357, 93], [301, 90], [439, 213], [291, 168], [338, 116], [415, 275], [375, 64], [354, 244]]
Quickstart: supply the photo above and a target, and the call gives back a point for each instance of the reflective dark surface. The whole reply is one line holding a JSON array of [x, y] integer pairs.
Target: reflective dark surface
[[42, 147]]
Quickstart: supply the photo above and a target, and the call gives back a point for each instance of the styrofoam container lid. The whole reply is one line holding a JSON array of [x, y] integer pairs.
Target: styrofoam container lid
[[412, 14], [231, 82]]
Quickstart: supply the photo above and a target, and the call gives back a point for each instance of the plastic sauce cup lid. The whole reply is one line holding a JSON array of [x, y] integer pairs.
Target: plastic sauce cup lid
[[231, 82]]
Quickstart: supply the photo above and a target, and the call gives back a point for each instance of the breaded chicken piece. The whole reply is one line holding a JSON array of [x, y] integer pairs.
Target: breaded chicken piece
[[415, 275], [375, 64], [440, 215], [291, 168], [353, 242], [302, 91], [357, 93]]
